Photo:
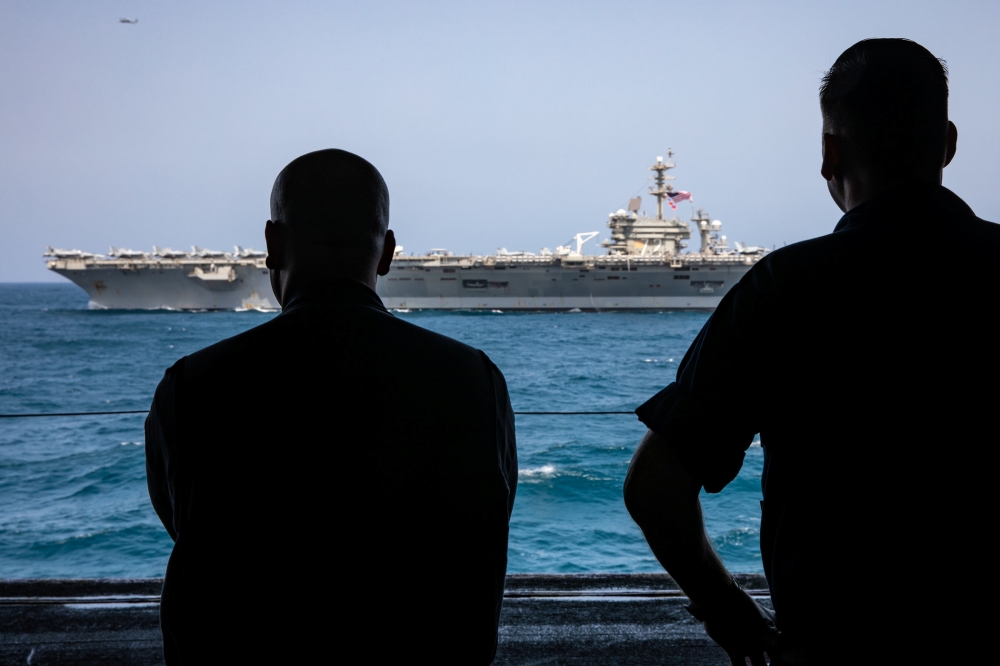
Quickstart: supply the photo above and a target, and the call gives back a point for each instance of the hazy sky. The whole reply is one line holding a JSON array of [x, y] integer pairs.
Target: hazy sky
[[495, 124]]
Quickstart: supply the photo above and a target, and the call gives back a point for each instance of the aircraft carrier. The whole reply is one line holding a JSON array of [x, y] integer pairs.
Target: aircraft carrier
[[169, 279], [647, 266]]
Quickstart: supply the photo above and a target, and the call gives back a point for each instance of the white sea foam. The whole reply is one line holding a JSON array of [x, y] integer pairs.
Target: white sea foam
[[545, 471], [497, 311], [650, 360], [403, 310]]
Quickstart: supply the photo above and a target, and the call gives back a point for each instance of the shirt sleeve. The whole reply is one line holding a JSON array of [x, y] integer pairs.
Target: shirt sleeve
[[506, 439], [161, 451], [712, 411]]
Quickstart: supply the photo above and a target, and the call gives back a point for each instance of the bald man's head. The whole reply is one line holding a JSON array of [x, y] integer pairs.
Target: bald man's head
[[335, 197], [330, 211]]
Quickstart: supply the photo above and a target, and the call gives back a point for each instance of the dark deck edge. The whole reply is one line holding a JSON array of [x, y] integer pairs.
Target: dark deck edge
[[143, 590]]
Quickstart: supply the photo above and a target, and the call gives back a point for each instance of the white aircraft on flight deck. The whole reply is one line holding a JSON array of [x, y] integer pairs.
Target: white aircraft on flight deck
[[59, 253], [750, 249]]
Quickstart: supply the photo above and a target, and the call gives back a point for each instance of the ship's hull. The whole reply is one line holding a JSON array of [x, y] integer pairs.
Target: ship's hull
[[596, 283], [426, 283], [172, 285], [554, 303]]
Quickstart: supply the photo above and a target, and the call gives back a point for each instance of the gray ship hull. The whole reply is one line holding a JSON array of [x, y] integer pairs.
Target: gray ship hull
[[174, 285], [447, 283], [554, 303], [595, 283], [423, 283]]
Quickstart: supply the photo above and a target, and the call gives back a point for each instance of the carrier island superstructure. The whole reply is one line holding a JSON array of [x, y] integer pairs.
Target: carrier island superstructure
[[647, 266]]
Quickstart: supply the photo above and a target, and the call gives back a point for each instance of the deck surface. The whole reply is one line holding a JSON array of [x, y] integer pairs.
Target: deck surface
[[547, 619]]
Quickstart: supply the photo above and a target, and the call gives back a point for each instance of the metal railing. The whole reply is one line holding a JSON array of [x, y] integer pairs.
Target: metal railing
[[29, 415]]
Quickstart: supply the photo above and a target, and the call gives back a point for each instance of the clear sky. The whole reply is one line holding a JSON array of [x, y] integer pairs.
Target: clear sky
[[513, 124]]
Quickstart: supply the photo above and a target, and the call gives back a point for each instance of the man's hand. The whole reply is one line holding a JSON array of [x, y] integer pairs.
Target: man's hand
[[742, 627], [661, 494]]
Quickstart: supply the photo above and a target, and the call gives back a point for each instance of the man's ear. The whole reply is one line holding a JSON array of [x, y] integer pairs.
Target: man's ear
[[831, 156], [949, 153], [388, 250], [275, 237]]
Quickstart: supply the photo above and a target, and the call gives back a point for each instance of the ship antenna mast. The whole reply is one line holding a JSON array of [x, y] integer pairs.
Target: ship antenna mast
[[663, 189]]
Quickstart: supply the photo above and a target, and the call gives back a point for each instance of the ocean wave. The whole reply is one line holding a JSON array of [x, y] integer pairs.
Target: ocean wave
[[734, 538], [74, 490], [545, 471]]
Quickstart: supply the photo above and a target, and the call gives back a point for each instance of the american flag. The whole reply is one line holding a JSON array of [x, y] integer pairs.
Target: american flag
[[675, 197]]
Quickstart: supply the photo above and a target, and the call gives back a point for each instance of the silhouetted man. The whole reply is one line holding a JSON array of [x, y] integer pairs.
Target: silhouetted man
[[866, 361], [336, 481]]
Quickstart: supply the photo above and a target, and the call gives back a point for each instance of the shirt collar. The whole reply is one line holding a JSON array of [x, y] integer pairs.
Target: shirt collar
[[335, 293], [908, 201]]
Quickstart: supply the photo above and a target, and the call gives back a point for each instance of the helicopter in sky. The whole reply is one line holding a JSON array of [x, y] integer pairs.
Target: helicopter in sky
[[130, 21]]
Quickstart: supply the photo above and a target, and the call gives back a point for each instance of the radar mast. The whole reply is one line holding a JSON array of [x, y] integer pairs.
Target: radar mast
[[663, 189]]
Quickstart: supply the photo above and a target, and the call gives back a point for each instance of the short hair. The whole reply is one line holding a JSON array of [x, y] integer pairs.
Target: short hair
[[889, 97], [333, 198]]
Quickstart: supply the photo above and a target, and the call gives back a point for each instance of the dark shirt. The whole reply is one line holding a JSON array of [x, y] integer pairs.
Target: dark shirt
[[335, 480], [866, 359]]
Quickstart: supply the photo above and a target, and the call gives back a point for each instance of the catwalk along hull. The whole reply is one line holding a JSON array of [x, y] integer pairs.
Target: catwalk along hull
[[186, 284], [591, 283]]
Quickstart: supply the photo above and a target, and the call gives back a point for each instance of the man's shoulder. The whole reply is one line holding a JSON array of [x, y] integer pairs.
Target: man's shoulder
[[880, 243], [352, 329], [984, 231], [251, 347], [416, 344], [796, 261]]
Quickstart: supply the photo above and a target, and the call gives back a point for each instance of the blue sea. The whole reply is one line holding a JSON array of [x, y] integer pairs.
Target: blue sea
[[73, 499]]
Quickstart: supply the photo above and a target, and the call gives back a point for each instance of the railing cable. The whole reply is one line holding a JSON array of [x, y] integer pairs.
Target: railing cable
[[568, 413], [33, 415], [29, 415]]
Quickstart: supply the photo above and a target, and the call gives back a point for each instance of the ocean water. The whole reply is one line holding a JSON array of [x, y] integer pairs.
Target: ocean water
[[73, 499]]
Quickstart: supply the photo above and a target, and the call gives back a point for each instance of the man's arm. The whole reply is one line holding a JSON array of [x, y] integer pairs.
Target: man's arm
[[661, 494], [159, 430], [507, 440]]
